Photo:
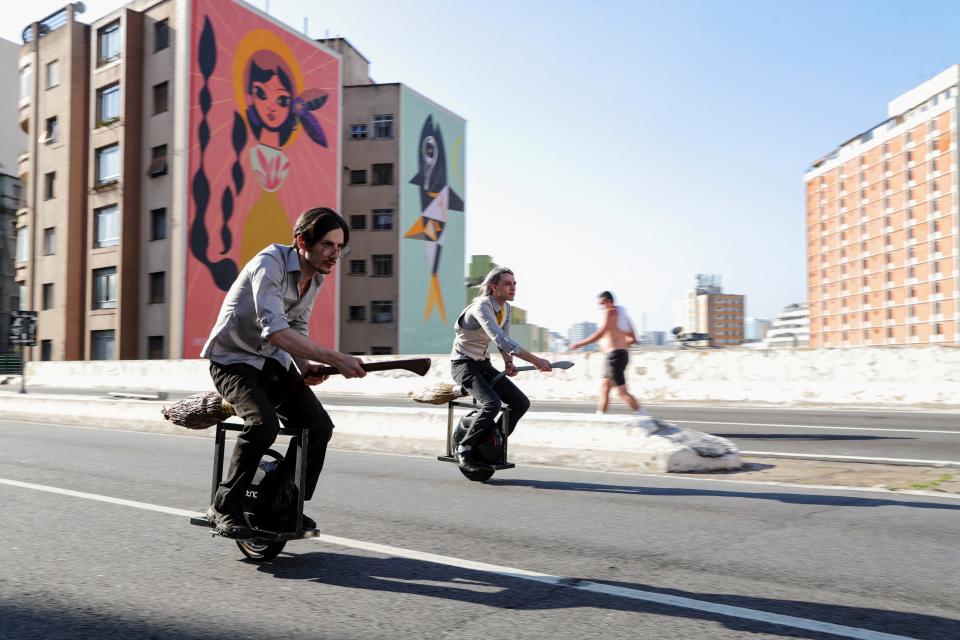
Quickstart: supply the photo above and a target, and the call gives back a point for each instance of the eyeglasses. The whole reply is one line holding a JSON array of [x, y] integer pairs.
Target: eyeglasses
[[330, 249]]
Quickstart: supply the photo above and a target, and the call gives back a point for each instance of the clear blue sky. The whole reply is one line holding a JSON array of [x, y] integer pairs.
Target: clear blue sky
[[629, 145]]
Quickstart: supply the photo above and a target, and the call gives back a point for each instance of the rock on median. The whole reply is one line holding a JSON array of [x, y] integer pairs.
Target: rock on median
[[679, 449]]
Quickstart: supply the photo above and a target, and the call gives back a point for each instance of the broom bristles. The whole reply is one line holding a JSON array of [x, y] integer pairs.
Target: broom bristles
[[199, 411], [440, 393]]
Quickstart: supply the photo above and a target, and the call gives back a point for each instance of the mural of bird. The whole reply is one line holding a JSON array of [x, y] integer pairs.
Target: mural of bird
[[436, 198]]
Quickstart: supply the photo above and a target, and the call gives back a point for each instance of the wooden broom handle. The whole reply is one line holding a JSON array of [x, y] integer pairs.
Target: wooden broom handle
[[419, 366]]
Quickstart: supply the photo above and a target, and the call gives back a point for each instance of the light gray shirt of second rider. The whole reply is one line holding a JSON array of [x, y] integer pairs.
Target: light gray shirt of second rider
[[263, 300], [477, 327]]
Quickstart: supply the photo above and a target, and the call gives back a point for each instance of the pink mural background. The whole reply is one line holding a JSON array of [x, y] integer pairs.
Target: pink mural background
[[264, 138]]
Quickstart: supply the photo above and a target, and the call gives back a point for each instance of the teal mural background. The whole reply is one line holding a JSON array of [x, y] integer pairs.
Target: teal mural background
[[425, 326]]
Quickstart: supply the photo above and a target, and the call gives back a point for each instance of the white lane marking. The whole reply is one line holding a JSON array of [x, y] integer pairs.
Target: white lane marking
[[698, 477], [823, 456], [99, 498], [811, 426], [522, 574]]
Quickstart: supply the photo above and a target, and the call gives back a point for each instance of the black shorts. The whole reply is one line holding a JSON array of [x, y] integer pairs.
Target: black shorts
[[616, 366]]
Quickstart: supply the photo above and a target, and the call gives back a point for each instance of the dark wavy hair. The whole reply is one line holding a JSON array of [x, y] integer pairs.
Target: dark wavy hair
[[263, 66], [315, 223]]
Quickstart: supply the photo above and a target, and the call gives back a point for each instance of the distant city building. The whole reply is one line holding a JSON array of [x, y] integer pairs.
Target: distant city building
[[652, 339], [580, 330], [790, 329], [882, 236], [755, 329], [706, 309], [558, 343]]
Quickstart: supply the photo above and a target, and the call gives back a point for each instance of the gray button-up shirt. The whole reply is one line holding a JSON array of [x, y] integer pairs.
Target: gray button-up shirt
[[477, 327], [263, 300]]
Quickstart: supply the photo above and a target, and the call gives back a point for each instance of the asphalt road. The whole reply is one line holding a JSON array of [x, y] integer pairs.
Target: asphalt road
[[576, 554]]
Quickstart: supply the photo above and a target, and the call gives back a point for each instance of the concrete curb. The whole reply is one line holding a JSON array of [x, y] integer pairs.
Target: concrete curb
[[558, 439]]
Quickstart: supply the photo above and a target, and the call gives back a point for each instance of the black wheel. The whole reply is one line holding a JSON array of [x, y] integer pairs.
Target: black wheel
[[261, 550], [480, 475]]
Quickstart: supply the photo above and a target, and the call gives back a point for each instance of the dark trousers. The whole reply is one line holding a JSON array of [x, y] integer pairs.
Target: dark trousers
[[263, 398], [475, 377]]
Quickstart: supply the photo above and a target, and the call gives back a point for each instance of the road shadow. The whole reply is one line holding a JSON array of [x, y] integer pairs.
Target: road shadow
[[502, 591], [804, 437], [779, 496]]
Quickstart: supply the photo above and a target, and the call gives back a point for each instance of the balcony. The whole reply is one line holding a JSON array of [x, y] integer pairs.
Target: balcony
[[23, 164]]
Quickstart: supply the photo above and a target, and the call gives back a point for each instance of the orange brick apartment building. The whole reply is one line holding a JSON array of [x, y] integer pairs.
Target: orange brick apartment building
[[882, 227]]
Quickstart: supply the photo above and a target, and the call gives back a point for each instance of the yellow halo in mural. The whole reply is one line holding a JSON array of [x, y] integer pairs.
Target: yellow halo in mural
[[262, 40]]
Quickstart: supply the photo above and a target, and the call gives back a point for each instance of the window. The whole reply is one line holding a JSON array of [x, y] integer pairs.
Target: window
[[49, 241], [158, 161], [382, 265], [382, 219], [47, 296], [156, 349], [50, 133], [101, 345], [23, 244], [382, 174], [106, 226], [160, 98], [381, 311], [161, 40], [53, 74], [108, 164], [381, 351], [358, 176], [158, 287], [358, 221], [358, 131], [105, 288], [26, 82], [49, 185], [358, 267], [108, 104], [158, 224], [358, 314], [46, 350], [108, 48], [383, 127]]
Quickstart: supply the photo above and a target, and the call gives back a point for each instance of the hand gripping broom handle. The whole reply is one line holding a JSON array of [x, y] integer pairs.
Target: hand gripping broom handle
[[419, 366]]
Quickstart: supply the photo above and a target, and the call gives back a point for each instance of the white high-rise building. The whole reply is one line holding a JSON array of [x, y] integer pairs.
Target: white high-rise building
[[791, 328]]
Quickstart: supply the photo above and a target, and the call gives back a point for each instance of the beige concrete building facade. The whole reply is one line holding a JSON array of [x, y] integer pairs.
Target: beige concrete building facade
[[882, 230], [96, 102]]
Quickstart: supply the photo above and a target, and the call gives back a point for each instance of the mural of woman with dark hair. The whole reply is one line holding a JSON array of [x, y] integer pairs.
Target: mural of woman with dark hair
[[265, 86], [273, 113]]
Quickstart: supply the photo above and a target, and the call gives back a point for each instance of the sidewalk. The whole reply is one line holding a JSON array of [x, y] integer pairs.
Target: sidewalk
[[844, 474]]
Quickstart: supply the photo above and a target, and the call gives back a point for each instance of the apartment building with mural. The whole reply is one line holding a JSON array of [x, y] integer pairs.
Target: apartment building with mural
[[156, 167], [404, 196], [882, 230]]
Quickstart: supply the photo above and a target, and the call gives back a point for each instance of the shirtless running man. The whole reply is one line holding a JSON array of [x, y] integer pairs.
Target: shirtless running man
[[614, 336]]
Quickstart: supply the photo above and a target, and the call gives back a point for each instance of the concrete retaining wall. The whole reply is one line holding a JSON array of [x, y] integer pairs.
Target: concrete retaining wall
[[875, 376]]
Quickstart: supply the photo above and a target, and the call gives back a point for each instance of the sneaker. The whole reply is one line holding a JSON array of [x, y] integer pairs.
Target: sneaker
[[641, 412], [467, 461], [308, 522], [228, 525]]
